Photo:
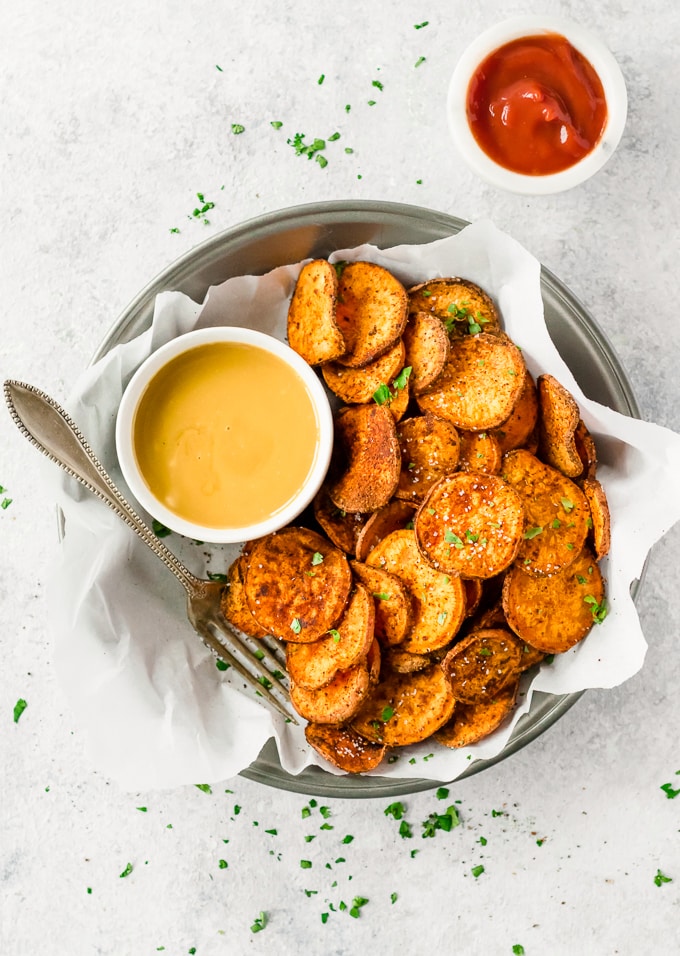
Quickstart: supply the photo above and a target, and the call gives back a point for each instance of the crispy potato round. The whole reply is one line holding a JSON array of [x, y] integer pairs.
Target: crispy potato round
[[427, 349], [393, 602], [394, 516], [460, 302], [296, 584], [553, 612], [314, 665], [355, 386], [600, 533], [344, 748], [470, 524], [371, 311], [559, 418], [472, 722], [234, 605], [518, 428], [482, 664], [367, 454], [479, 385], [438, 599], [406, 708], [338, 701], [473, 594], [312, 329], [479, 451], [342, 527], [430, 449], [587, 451], [556, 512]]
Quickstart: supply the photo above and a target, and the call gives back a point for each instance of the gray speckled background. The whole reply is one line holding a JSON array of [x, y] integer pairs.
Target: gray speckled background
[[114, 118]]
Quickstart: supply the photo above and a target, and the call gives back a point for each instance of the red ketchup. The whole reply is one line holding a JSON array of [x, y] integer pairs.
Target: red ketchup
[[536, 106]]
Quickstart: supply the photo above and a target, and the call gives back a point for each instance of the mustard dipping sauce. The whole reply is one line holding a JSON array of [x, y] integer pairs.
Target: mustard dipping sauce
[[225, 435]]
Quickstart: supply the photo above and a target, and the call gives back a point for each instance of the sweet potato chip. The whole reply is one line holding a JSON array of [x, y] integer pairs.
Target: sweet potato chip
[[234, 605], [479, 385], [438, 599], [367, 451], [479, 451], [556, 511], [430, 449], [314, 665], [342, 527], [338, 701], [344, 748], [358, 385], [312, 329], [600, 533], [296, 584], [393, 603], [394, 516], [472, 722], [553, 612], [462, 304], [427, 349], [470, 524], [371, 312], [559, 418], [406, 708], [482, 664], [516, 431], [587, 451]]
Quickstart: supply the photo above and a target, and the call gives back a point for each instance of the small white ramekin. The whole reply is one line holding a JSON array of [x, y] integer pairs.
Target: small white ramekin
[[592, 49], [135, 390]]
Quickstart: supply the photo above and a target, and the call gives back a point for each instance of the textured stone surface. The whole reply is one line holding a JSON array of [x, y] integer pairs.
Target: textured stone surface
[[114, 117]]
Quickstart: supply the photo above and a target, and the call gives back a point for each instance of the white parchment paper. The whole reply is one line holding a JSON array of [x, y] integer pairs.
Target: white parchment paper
[[154, 709]]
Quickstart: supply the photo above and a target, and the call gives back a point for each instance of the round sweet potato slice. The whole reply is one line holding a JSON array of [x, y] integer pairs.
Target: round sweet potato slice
[[559, 418], [355, 386], [482, 664], [461, 303], [517, 429], [296, 584], [600, 532], [342, 527], [338, 701], [393, 603], [367, 455], [472, 722], [312, 329], [344, 748], [556, 513], [553, 612], [371, 312], [470, 524], [587, 451], [406, 708], [234, 605], [314, 665], [427, 349], [479, 451], [479, 385], [438, 599], [430, 449], [394, 516]]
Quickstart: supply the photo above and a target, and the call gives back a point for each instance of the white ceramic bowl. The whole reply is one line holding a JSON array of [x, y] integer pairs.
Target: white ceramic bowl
[[130, 403], [598, 56]]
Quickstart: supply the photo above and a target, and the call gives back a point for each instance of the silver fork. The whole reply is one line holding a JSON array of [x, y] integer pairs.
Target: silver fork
[[49, 427]]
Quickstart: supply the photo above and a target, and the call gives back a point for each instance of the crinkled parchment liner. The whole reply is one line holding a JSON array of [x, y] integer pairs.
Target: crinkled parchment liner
[[154, 709]]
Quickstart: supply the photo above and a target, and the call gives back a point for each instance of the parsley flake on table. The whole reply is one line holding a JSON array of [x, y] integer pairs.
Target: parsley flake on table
[[419, 61], [661, 878], [395, 810], [599, 611], [19, 708], [669, 791], [259, 923], [159, 529], [5, 503], [276, 124], [127, 871], [518, 949], [477, 871], [237, 129], [441, 821], [204, 787], [419, 26]]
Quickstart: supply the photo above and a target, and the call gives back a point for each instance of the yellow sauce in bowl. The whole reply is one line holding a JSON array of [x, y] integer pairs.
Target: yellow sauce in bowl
[[225, 435]]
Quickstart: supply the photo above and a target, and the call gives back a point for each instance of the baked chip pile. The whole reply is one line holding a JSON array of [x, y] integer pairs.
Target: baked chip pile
[[455, 542]]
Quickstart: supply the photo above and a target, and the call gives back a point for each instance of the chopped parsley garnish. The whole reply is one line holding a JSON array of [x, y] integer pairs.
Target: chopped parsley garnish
[[276, 124], [387, 713], [357, 903], [405, 831], [19, 708], [395, 810], [348, 838], [295, 625], [217, 576], [567, 504], [382, 395], [441, 821], [321, 79], [419, 61], [205, 787], [453, 539], [599, 611], [127, 871], [532, 533], [441, 617], [381, 595], [393, 897], [223, 865], [518, 949], [221, 665], [669, 791], [159, 529], [662, 878], [334, 634], [305, 864], [402, 378], [442, 793], [477, 870], [419, 26], [237, 129], [259, 923], [317, 558]]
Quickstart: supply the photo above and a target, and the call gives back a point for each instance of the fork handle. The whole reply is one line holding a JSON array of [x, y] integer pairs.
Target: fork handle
[[49, 428]]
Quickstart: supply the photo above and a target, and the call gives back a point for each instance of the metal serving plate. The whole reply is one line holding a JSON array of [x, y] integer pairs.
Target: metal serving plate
[[290, 235]]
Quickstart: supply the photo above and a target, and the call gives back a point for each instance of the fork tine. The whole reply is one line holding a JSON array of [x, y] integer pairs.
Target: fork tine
[[226, 654]]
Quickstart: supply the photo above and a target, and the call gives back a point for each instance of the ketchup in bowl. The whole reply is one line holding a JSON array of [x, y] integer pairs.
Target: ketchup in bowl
[[536, 106]]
